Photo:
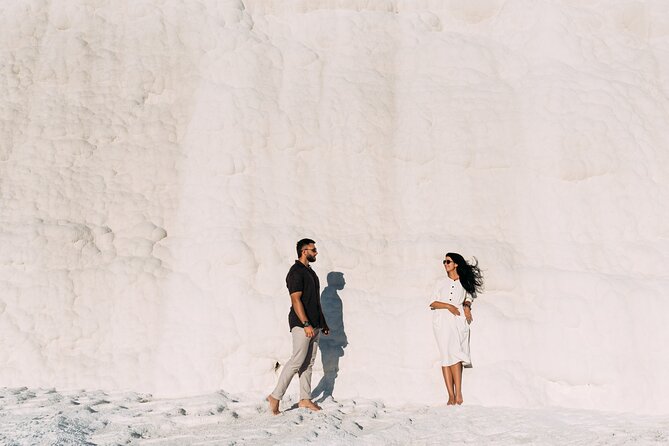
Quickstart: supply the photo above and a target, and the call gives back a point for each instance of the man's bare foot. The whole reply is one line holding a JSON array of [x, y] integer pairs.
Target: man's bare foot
[[458, 399], [273, 405], [308, 404], [451, 401]]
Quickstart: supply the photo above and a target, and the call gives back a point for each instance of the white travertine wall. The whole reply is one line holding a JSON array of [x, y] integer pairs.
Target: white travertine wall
[[159, 160]]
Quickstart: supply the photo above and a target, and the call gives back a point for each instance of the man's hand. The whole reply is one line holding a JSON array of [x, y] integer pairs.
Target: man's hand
[[468, 314], [309, 331]]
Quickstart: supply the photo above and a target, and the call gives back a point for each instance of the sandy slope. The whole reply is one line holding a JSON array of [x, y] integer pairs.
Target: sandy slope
[[48, 417]]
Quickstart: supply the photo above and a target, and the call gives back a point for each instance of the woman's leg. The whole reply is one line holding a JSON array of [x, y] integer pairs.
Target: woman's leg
[[456, 371], [448, 379]]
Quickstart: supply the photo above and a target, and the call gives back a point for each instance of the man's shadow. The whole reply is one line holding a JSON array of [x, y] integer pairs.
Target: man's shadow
[[331, 346]]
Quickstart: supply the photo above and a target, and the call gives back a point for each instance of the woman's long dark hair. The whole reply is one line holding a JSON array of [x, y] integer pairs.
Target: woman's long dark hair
[[470, 274]]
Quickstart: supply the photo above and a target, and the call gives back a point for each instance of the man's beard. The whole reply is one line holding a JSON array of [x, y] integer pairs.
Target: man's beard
[[311, 258]]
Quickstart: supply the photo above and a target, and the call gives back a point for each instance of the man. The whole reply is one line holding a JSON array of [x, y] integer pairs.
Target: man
[[306, 322]]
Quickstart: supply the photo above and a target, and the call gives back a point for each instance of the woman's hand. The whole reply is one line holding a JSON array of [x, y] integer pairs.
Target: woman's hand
[[468, 314]]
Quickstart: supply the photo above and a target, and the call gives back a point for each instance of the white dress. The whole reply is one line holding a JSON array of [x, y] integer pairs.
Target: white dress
[[451, 331]]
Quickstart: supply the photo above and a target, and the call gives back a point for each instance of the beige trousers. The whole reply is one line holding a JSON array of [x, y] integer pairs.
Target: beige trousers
[[302, 361]]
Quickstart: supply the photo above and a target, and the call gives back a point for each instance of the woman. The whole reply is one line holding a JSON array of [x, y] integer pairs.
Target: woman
[[452, 301]]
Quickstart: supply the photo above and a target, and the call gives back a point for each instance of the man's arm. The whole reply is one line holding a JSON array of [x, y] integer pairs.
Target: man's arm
[[301, 314], [324, 329]]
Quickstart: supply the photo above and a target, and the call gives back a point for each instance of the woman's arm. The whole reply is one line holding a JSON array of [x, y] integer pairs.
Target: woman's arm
[[436, 305], [467, 307], [468, 313]]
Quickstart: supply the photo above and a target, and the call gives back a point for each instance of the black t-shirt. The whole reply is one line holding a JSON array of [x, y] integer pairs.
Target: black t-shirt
[[303, 278]]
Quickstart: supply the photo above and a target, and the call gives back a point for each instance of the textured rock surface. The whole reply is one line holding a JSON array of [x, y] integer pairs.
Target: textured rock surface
[[158, 161]]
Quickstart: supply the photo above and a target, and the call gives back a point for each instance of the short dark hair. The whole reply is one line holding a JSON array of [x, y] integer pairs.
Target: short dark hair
[[301, 244]]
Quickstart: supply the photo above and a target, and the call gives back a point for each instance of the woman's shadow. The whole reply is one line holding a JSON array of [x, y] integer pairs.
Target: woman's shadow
[[331, 346]]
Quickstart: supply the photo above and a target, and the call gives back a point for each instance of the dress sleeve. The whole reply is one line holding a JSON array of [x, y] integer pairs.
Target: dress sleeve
[[435, 294], [469, 297]]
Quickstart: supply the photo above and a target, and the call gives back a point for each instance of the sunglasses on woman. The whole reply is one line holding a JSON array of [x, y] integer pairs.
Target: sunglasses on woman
[[447, 262]]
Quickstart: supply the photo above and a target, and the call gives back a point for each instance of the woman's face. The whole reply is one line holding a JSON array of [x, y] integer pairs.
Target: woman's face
[[449, 264]]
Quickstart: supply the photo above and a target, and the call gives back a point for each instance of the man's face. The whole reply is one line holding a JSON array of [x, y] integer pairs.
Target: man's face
[[311, 252]]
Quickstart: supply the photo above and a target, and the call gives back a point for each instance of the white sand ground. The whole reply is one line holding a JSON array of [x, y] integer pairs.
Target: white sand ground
[[49, 417]]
